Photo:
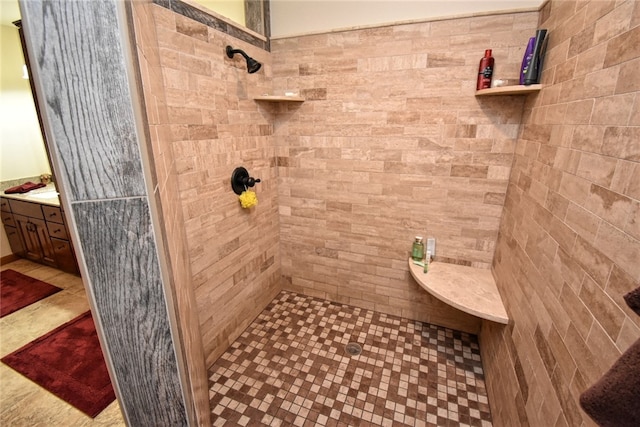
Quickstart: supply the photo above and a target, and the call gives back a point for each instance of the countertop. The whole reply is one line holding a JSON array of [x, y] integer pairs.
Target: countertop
[[45, 196]]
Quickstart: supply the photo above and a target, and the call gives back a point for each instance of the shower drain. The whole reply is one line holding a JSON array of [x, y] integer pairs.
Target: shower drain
[[353, 349]]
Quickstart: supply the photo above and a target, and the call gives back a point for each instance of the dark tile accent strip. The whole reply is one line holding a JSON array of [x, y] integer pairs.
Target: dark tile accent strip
[[127, 288], [254, 15]]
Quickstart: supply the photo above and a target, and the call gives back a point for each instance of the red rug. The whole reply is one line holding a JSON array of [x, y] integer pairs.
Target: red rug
[[69, 363], [18, 291]]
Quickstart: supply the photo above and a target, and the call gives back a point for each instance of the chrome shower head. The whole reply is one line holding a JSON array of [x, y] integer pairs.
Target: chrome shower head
[[252, 64]]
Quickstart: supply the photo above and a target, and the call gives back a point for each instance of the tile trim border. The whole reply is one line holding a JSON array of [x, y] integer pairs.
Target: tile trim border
[[409, 22]]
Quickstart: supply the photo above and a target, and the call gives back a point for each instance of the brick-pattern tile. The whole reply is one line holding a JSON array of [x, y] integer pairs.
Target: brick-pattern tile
[[392, 143], [203, 124], [290, 367], [165, 174], [569, 247]]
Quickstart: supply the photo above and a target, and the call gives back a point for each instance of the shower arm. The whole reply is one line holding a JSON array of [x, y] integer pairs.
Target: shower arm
[[252, 65], [231, 51]]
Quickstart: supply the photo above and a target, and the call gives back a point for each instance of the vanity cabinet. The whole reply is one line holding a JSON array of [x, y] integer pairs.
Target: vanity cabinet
[[65, 258], [15, 241], [38, 232], [37, 246]]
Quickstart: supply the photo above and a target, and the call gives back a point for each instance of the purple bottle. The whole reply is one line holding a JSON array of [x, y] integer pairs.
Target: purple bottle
[[526, 59]]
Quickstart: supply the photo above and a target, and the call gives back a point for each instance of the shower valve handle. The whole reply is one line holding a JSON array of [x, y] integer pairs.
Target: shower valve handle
[[250, 181], [241, 180]]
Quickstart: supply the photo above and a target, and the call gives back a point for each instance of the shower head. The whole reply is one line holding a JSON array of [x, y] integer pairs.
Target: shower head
[[252, 64]]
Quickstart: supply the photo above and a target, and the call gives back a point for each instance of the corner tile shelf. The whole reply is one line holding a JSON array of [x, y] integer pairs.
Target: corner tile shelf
[[468, 289], [278, 98], [509, 90]]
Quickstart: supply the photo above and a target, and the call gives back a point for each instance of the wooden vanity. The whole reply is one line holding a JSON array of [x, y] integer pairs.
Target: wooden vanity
[[36, 229], [34, 221]]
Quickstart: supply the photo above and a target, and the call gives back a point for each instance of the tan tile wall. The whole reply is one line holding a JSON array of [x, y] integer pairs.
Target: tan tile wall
[[392, 143], [569, 245], [208, 125], [170, 211]]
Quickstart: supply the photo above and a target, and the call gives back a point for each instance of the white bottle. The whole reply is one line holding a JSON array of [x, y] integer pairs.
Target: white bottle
[[427, 261]]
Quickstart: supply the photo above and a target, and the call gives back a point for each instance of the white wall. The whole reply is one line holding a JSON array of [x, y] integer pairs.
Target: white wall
[[293, 17], [22, 152], [232, 9], [21, 149]]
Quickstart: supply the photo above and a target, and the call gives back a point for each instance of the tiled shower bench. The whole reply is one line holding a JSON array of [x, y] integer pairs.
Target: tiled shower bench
[[472, 290]]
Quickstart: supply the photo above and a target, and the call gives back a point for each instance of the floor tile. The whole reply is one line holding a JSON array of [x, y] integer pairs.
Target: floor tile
[[23, 402], [292, 367]]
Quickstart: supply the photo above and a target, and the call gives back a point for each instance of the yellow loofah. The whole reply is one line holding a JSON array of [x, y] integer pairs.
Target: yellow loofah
[[248, 199]]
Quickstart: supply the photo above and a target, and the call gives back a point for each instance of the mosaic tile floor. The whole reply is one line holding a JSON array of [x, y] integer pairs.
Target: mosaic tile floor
[[291, 368]]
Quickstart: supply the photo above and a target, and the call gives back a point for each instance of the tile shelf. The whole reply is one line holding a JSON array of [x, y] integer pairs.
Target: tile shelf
[[509, 90], [469, 289], [278, 98]]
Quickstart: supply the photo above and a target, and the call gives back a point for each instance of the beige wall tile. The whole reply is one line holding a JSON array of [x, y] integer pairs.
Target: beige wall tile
[[628, 80], [607, 110], [596, 10], [622, 48], [587, 138], [599, 83], [396, 137], [593, 219], [213, 124], [149, 20], [619, 284], [632, 187], [391, 143], [628, 335], [582, 222], [591, 60], [599, 339], [608, 205], [622, 142], [632, 225], [635, 16], [596, 169], [581, 41], [191, 28], [578, 112], [574, 188], [614, 23], [610, 240]]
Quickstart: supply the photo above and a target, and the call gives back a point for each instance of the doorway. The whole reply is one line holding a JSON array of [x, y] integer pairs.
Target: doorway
[[25, 157]]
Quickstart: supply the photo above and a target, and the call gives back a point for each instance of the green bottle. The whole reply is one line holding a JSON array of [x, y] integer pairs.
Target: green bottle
[[417, 251]]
